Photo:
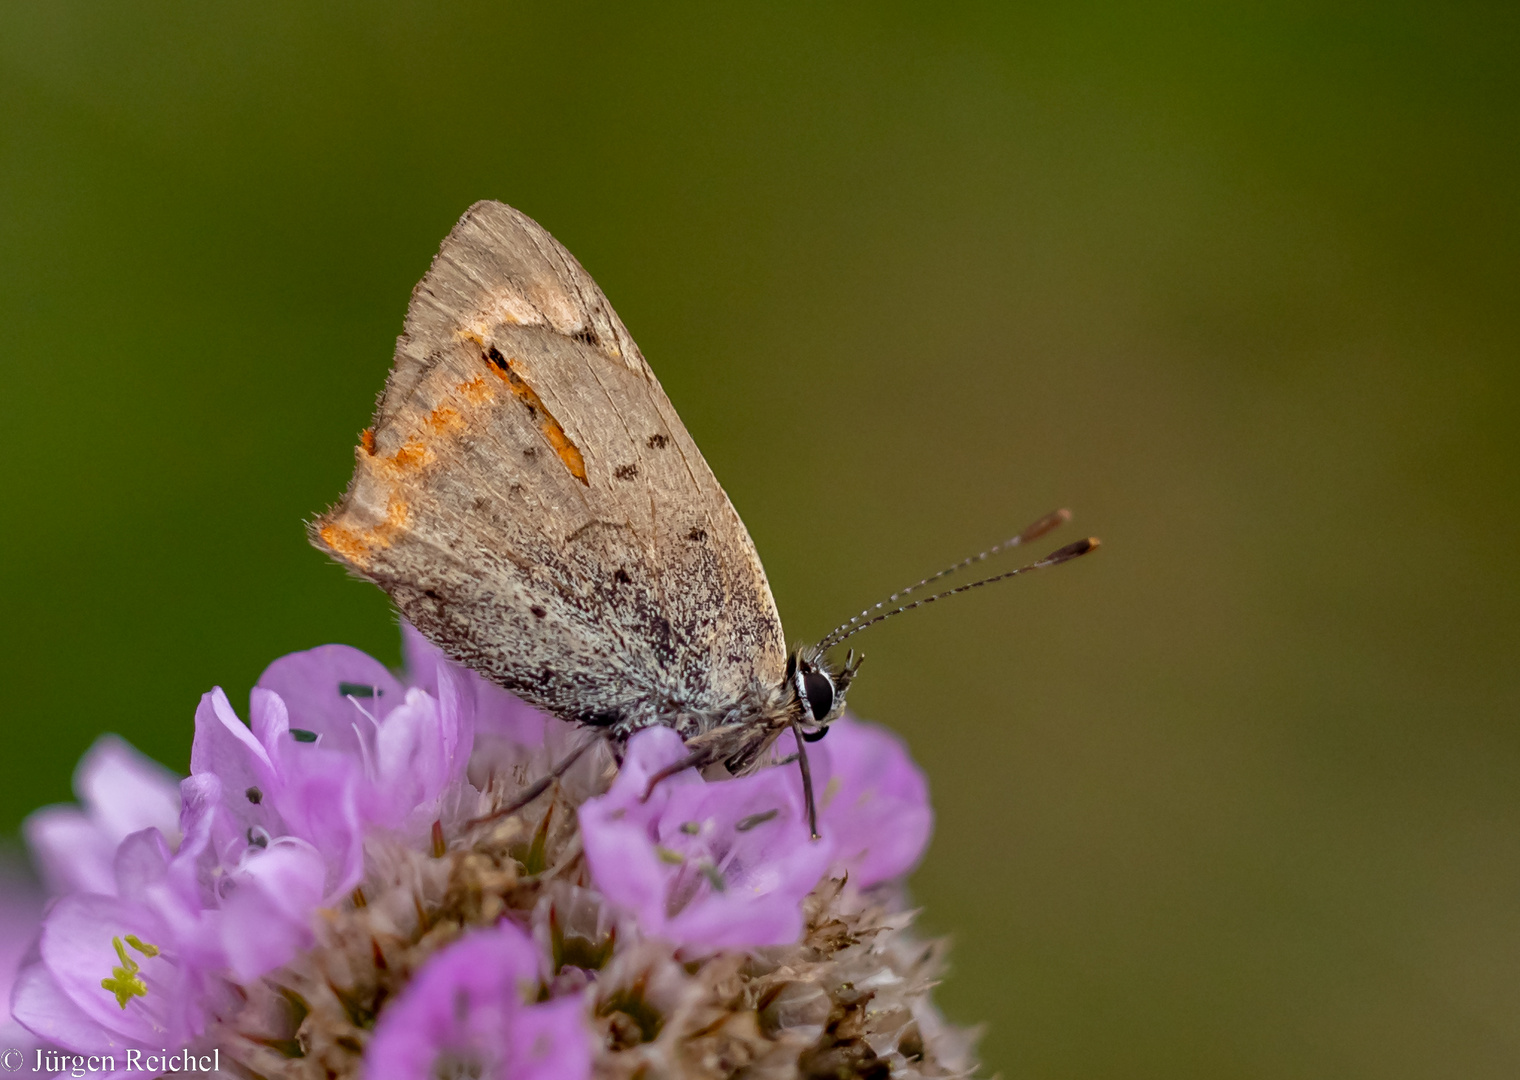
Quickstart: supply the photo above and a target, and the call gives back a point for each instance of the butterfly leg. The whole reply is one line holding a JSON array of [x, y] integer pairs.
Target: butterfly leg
[[736, 745], [807, 781], [538, 787], [697, 759]]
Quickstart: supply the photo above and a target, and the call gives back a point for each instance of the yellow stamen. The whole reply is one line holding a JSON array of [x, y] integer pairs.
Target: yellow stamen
[[142, 946], [124, 982]]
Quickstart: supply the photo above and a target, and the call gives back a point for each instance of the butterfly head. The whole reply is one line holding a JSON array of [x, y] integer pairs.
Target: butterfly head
[[817, 692]]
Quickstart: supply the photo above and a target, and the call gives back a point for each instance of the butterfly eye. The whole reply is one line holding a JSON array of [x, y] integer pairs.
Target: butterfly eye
[[819, 689]]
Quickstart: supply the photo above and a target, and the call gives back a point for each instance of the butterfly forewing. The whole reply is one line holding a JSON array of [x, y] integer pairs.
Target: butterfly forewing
[[533, 504]]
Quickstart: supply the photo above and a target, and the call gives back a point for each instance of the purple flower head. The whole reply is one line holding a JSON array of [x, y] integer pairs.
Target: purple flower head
[[122, 792], [136, 961], [178, 907], [873, 801], [466, 1013], [722, 864]]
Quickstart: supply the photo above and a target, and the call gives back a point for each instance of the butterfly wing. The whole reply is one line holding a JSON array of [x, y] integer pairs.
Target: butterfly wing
[[532, 503]]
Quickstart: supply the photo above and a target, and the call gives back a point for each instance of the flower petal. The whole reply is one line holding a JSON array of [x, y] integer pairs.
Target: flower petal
[[718, 865], [550, 1042], [71, 853], [411, 760], [269, 719], [464, 1010], [76, 946], [267, 916], [330, 689], [41, 1005], [123, 792], [874, 801], [141, 861], [420, 659], [319, 802], [127, 791], [225, 749]]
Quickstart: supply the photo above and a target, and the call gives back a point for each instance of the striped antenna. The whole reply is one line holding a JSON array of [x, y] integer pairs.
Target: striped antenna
[[1030, 533]]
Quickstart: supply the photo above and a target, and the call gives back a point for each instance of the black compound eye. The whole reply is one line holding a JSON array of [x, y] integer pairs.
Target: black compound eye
[[820, 693]]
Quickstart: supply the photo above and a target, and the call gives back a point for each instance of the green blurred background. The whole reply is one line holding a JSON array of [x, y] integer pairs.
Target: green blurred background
[[1235, 797]]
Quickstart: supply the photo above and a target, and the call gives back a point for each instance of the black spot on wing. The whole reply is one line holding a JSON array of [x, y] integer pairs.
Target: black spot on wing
[[626, 472], [658, 442]]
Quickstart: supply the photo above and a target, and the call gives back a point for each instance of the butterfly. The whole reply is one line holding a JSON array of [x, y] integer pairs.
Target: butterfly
[[533, 505]]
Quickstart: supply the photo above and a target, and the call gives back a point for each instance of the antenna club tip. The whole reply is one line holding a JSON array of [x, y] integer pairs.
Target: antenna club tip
[[1053, 520], [1093, 542], [1069, 552]]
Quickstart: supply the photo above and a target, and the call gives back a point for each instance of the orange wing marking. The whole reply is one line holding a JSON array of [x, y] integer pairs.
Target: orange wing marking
[[442, 418], [476, 391], [412, 455], [357, 545], [344, 543], [568, 452]]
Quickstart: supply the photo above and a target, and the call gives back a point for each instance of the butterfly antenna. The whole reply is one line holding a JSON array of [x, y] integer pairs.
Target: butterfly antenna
[[1032, 532], [1055, 558]]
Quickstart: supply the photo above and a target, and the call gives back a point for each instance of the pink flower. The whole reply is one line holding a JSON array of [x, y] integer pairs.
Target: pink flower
[[122, 792], [336, 746], [406, 744], [723, 864], [873, 801], [129, 966], [271, 785], [468, 1013]]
